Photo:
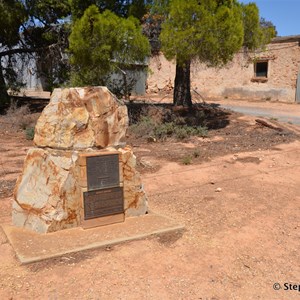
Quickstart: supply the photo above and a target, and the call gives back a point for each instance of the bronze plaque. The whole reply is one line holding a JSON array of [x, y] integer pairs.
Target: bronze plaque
[[104, 202], [102, 171]]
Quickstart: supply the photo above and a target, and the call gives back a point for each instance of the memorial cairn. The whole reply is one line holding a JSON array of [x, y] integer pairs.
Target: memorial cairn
[[81, 173]]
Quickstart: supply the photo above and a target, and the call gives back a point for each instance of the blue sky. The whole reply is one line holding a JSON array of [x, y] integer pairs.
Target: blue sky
[[284, 14]]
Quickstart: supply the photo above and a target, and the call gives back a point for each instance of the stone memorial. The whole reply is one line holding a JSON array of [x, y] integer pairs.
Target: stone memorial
[[81, 173]]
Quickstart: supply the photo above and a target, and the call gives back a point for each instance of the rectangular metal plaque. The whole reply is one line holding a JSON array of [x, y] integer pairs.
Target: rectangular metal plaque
[[105, 202], [102, 171]]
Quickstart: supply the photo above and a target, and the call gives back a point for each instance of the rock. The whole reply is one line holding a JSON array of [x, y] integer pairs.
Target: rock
[[145, 163], [151, 139], [218, 190], [46, 194], [49, 195], [135, 200], [78, 118]]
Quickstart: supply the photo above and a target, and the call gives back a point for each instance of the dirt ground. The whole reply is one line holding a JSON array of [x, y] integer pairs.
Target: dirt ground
[[238, 198]]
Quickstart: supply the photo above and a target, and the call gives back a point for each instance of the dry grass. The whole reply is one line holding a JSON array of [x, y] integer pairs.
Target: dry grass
[[20, 117]]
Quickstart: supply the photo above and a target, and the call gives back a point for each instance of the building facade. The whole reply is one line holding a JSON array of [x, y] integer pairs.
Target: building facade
[[271, 74]]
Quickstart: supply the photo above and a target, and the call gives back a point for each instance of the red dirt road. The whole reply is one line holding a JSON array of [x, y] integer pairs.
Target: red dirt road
[[241, 213]]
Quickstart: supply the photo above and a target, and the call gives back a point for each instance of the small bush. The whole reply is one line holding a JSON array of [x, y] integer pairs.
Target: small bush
[[17, 112], [147, 127], [202, 131], [29, 132], [159, 123], [188, 131], [180, 132], [187, 160], [20, 117], [162, 131], [196, 153], [143, 128], [179, 120]]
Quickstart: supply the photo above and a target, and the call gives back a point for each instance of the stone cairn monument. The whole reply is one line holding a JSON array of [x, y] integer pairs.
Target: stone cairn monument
[[80, 173]]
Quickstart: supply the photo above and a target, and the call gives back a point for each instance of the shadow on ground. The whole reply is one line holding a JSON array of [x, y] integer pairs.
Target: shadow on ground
[[200, 114]]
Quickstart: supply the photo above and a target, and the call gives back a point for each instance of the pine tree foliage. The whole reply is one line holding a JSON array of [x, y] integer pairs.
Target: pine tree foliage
[[102, 42], [122, 8], [210, 31], [26, 27]]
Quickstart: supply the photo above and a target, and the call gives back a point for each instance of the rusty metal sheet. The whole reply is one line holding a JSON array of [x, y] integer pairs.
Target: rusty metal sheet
[[102, 171], [104, 202]]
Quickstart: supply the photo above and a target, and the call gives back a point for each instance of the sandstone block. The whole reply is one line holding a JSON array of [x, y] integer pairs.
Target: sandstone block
[[49, 193], [78, 118], [46, 194], [135, 200]]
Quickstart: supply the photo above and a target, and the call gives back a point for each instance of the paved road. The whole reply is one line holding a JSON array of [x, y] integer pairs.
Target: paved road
[[260, 112], [289, 113]]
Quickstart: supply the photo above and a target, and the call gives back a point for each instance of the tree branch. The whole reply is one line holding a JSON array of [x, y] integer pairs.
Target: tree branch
[[19, 51]]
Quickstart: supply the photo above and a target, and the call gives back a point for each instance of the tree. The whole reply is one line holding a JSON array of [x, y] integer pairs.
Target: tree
[[122, 8], [12, 15], [210, 31], [102, 42], [138, 8], [152, 22], [268, 29], [257, 31], [26, 27]]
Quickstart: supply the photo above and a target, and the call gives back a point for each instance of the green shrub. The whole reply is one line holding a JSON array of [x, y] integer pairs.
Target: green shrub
[[162, 131], [180, 132], [185, 131], [202, 131], [144, 127], [29, 132], [187, 160], [147, 127]]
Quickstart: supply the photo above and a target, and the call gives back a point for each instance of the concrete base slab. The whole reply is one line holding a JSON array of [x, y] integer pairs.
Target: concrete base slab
[[32, 247]]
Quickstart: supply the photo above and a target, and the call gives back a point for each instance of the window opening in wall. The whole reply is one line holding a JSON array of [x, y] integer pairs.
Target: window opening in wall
[[261, 69]]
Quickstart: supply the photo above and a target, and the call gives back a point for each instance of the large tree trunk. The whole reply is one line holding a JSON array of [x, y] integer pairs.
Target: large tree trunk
[[3, 91], [182, 88]]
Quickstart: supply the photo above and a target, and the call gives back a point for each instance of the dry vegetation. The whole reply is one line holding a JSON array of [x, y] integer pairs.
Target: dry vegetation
[[20, 117], [205, 133]]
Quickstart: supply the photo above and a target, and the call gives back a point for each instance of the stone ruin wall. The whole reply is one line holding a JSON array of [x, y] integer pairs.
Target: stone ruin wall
[[235, 80], [77, 121]]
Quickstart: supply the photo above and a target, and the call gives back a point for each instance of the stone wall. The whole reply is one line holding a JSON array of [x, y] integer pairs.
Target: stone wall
[[236, 79]]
